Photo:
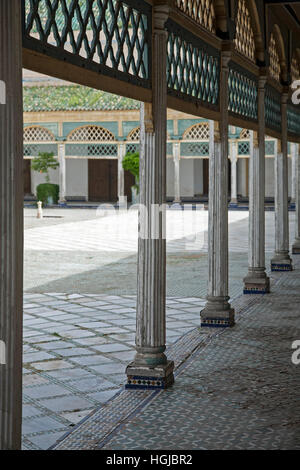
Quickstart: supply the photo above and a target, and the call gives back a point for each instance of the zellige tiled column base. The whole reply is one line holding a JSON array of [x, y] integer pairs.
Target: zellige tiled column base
[[256, 282], [150, 378], [217, 313], [296, 247], [281, 262]]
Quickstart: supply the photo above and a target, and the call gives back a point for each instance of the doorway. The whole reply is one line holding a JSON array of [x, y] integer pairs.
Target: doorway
[[27, 176], [103, 180]]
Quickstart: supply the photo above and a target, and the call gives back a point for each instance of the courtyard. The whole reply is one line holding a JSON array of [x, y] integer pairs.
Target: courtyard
[[80, 299]]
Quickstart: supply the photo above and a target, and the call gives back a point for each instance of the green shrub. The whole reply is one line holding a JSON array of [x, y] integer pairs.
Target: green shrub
[[131, 162], [43, 162], [46, 190]]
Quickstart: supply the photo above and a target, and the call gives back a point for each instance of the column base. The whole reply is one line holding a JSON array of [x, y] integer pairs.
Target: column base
[[257, 282], [141, 377], [217, 313], [296, 247], [281, 262]]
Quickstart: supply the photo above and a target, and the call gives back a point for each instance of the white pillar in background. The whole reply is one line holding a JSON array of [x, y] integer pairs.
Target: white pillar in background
[[296, 244], [62, 174], [218, 311], [294, 152], [234, 160], [121, 179], [176, 158], [256, 281], [281, 260], [11, 225], [150, 367]]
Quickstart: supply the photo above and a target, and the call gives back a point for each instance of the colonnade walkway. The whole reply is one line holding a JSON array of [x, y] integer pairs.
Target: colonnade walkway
[[238, 388]]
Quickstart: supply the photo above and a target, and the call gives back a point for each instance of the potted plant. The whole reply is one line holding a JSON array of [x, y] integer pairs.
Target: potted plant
[[46, 192], [131, 163]]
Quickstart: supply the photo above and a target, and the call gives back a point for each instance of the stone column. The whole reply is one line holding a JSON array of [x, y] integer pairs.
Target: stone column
[[11, 225], [257, 281], [218, 312], [176, 158], [233, 159], [150, 367], [62, 174], [121, 181], [296, 244], [294, 152], [281, 260]]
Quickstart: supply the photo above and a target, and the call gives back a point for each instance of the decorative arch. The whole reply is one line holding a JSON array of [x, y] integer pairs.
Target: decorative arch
[[37, 134], [201, 11], [277, 67], [197, 132], [134, 134], [295, 65], [244, 37], [90, 133]]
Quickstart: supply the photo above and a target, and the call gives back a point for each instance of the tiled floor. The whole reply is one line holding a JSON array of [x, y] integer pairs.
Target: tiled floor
[[76, 348], [237, 391]]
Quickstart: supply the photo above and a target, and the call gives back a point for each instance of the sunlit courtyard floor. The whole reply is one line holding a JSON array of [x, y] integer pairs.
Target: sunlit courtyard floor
[[79, 304]]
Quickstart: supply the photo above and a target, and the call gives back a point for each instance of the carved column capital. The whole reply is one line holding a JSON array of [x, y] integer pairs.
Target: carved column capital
[[161, 15]]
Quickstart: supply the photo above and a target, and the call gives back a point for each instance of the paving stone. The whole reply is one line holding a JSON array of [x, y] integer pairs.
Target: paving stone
[[43, 391], [111, 347], [68, 403], [43, 423]]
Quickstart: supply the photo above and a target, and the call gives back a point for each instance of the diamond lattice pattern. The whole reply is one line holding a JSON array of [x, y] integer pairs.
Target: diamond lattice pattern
[[275, 69], [202, 11], [134, 134], [192, 70], [38, 134], [197, 132], [244, 40], [107, 32], [90, 133]]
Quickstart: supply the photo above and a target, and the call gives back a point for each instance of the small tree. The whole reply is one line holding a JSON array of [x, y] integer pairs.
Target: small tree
[[131, 162], [43, 163]]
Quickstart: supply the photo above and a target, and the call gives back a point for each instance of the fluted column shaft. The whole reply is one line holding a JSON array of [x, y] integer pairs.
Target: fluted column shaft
[[121, 180], [256, 281], [281, 260], [233, 160], [296, 244], [176, 158], [11, 225], [150, 361], [218, 312], [62, 174], [294, 152]]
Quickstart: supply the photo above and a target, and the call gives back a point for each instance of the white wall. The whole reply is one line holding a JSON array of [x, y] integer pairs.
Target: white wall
[[170, 177], [38, 178], [186, 177], [270, 176], [77, 178], [241, 177], [198, 176]]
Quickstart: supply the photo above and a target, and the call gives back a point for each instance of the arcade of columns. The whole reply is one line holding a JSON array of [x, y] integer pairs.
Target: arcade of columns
[[150, 363]]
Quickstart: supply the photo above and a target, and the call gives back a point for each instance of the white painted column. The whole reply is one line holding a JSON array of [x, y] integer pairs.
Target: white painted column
[[296, 244], [281, 260], [294, 152], [62, 174], [121, 180], [176, 158], [256, 281], [150, 367], [233, 159], [218, 311], [11, 225]]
